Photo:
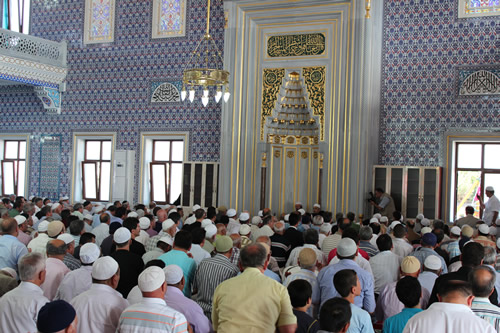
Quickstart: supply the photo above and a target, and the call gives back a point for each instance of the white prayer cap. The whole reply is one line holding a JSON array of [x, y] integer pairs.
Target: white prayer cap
[[87, 217], [347, 247], [49, 204], [231, 212], [11, 271], [393, 224], [89, 252], [432, 262], [260, 213], [455, 231], [121, 235], [287, 216], [425, 222], [302, 211], [245, 229], [206, 222], [210, 231], [151, 279], [196, 207], [55, 205], [104, 268], [64, 198], [167, 224], [377, 216], [109, 205], [384, 219], [168, 240], [256, 220], [374, 220], [490, 189], [484, 229], [425, 230], [420, 217], [140, 213], [144, 223], [298, 203], [173, 210], [31, 197], [317, 205], [498, 243], [244, 217], [325, 227], [66, 238], [190, 220], [173, 274], [132, 214], [43, 226], [19, 219]]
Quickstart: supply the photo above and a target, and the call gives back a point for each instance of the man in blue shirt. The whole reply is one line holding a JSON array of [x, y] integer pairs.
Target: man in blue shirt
[[178, 256], [348, 286], [409, 291], [11, 249], [347, 250]]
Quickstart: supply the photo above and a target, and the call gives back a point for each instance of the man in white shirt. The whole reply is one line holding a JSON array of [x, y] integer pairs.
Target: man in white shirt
[[451, 314], [311, 239], [99, 308], [79, 280], [164, 245], [491, 207], [427, 278], [144, 224], [39, 243], [197, 250], [385, 265], [102, 230], [401, 245], [19, 307], [152, 313]]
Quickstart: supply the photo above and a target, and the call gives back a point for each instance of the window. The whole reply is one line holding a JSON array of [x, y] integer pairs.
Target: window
[[166, 170], [92, 167], [96, 170], [14, 167], [477, 165], [99, 21], [15, 15], [169, 18], [161, 165], [477, 8]]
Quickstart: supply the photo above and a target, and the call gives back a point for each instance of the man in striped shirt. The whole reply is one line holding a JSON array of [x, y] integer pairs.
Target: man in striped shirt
[[152, 314], [213, 271], [483, 284]]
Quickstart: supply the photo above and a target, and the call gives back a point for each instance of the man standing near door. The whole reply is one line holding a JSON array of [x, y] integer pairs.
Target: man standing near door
[[491, 207]]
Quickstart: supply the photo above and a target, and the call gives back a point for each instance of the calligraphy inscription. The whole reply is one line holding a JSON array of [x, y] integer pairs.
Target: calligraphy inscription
[[481, 82], [165, 92], [296, 45]]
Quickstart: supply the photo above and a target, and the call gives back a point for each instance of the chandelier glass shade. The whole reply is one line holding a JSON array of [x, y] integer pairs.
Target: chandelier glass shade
[[203, 74]]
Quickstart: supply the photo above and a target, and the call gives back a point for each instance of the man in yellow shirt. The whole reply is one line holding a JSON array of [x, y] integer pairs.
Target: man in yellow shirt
[[252, 302]]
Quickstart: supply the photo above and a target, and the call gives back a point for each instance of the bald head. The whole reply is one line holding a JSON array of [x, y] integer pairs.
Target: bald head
[[162, 215], [253, 255], [9, 226], [56, 247], [264, 239], [483, 280], [236, 239]]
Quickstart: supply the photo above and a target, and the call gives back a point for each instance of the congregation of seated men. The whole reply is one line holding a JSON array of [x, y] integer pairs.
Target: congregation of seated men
[[87, 267]]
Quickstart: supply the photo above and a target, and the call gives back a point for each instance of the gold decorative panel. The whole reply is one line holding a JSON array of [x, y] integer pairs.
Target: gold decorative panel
[[290, 154], [303, 155], [272, 81], [314, 78], [296, 45]]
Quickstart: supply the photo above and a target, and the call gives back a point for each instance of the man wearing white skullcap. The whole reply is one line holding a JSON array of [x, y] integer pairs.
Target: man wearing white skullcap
[[316, 209], [432, 270], [130, 263], [144, 225], [22, 224], [79, 280], [168, 230], [99, 308], [39, 243], [298, 205], [483, 236], [164, 245], [177, 301], [152, 314], [69, 260], [347, 250], [491, 207]]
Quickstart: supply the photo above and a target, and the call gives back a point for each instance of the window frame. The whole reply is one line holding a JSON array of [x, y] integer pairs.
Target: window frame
[[79, 156], [3, 144], [23, 14], [463, 15], [168, 169], [146, 157], [481, 169]]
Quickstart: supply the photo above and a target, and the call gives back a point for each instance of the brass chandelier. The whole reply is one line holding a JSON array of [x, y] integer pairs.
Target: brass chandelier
[[202, 72]]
